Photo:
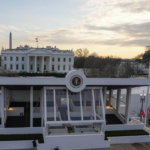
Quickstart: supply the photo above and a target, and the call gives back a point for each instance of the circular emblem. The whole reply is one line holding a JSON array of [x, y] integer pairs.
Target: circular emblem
[[76, 81]]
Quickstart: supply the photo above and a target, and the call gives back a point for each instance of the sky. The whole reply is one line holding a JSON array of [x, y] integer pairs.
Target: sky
[[108, 27]]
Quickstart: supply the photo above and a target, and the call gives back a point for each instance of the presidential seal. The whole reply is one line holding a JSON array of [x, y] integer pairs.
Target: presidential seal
[[76, 81]]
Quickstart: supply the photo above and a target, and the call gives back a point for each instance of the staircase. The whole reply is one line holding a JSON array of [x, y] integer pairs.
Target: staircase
[[24, 121], [112, 119], [63, 113]]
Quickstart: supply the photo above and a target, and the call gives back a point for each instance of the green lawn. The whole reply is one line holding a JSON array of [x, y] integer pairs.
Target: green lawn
[[124, 133], [18, 137]]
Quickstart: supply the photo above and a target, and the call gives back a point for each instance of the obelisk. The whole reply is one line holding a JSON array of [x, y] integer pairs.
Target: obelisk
[[10, 41]]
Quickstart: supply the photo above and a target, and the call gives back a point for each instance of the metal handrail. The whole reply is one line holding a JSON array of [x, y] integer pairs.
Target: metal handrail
[[116, 99]]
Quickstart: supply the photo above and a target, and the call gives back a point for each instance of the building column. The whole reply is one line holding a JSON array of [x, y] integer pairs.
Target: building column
[[2, 106], [118, 99], [35, 65], [128, 101], [31, 106], [42, 64], [110, 95], [104, 95], [49, 69], [27, 63]]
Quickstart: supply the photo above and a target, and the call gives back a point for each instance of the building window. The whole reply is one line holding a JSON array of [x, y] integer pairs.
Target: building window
[[64, 59], [69, 59], [22, 58], [16, 67], [5, 66], [16, 58], [11, 66], [44, 67], [31, 58], [31, 67], [11, 58], [69, 67], [63, 67], [52, 67], [38, 58], [53, 59], [22, 67], [5, 58], [58, 67], [58, 59], [44, 58]]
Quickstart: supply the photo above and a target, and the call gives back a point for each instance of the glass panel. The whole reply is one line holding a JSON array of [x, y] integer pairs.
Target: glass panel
[[50, 104], [61, 101], [98, 105], [87, 104], [74, 105]]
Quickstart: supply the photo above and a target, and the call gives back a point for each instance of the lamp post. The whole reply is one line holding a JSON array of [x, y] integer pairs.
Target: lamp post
[[142, 97]]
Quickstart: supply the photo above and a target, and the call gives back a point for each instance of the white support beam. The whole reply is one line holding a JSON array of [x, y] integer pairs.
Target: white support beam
[[68, 105], [110, 95], [128, 101], [102, 104], [81, 107], [2, 106], [40, 103], [104, 95], [5, 106], [45, 107], [31, 106], [93, 102], [54, 99], [118, 99], [85, 101], [42, 108]]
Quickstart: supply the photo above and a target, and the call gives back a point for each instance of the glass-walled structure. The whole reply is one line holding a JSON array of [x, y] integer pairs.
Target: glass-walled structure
[[65, 106]]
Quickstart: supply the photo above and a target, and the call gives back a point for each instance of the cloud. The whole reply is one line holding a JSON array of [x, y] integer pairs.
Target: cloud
[[8, 27], [136, 6]]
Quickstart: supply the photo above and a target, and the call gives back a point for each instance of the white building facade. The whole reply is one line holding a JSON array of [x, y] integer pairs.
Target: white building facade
[[25, 59]]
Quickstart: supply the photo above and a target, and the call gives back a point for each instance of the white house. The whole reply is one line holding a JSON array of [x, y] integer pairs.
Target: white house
[[28, 59]]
